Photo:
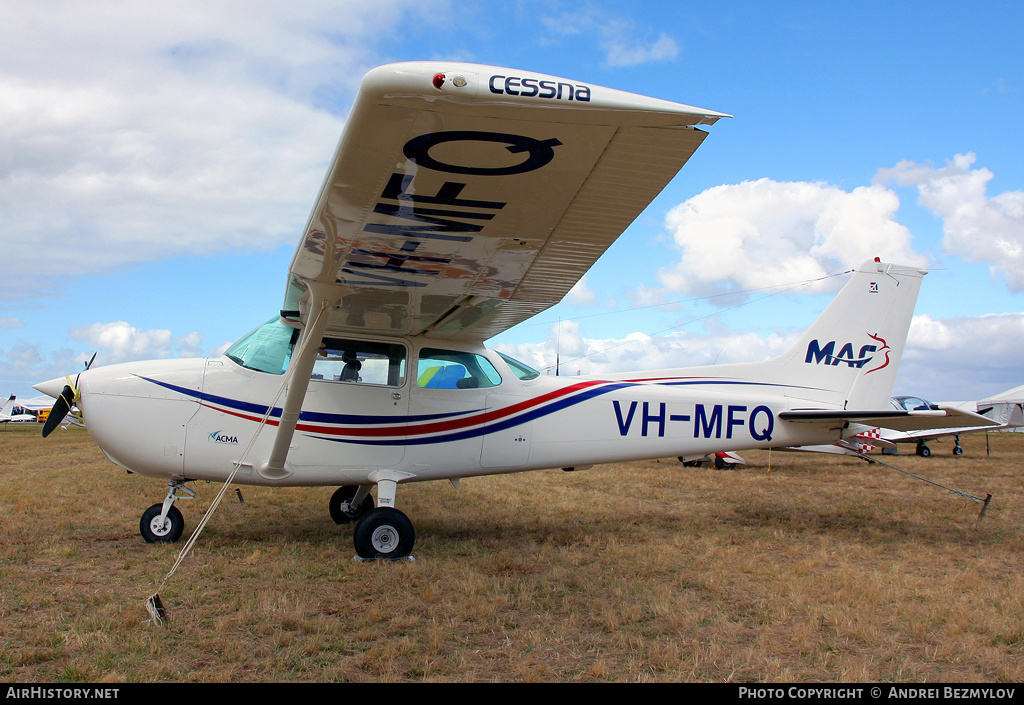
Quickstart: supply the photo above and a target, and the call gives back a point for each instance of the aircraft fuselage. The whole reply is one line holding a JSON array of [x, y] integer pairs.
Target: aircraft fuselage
[[195, 418]]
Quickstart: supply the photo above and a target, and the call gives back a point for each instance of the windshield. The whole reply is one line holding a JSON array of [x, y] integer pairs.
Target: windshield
[[266, 349], [520, 370]]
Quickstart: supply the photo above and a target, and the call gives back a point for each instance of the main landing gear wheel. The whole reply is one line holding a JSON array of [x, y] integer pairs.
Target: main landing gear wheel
[[384, 533], [924, 451], [344, 496], [155, 531]]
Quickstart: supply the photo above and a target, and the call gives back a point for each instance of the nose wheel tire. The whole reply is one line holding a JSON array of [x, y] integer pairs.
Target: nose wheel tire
[[384, 533], [155, 531]]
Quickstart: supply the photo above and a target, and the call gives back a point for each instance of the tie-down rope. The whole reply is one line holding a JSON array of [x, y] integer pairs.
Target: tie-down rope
[[153, 604]]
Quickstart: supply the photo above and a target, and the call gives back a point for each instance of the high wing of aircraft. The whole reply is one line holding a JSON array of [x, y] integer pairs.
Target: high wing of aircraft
[[462, 200]]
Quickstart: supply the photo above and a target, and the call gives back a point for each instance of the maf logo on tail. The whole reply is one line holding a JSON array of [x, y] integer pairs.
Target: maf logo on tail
[[818, 354]]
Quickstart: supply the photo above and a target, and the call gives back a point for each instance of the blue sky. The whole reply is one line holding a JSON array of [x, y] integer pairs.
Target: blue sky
[[158, 162]]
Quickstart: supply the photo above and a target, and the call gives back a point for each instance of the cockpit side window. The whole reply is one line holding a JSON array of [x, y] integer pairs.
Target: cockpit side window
[[452, 369], [267, 349], [364, 361]]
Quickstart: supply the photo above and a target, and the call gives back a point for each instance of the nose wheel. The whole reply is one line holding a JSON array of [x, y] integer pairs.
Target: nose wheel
[[163, 523], [156, 528]]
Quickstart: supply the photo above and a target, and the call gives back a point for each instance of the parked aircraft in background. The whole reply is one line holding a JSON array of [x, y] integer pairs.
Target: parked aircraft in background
[[36, 408], [11, 412], [462, 200]]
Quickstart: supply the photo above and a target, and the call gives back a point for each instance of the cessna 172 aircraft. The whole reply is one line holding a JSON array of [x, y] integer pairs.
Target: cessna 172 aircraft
[[462, 200]]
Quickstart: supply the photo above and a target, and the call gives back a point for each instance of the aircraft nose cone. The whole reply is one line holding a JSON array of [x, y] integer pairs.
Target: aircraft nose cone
[[51, 388]]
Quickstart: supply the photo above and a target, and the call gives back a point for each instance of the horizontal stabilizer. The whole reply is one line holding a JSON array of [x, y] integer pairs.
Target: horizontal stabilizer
[[895, 420]]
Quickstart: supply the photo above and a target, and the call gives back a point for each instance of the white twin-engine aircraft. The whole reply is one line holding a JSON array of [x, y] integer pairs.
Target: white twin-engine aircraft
[[462, 200]]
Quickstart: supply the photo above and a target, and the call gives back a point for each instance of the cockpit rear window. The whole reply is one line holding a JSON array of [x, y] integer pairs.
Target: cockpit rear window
[[452, 369], [520, 370]]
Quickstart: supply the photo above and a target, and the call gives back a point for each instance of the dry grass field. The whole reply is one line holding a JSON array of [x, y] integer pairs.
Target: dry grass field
[[797, 567]]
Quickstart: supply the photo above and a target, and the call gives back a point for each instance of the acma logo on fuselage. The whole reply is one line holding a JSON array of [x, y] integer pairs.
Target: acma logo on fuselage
[[222, 437]]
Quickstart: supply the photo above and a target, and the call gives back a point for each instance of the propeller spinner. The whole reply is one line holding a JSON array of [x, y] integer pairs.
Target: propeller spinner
[[65, 400]]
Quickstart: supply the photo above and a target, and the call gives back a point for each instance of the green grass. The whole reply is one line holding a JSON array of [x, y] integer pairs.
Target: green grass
[[795, 567]]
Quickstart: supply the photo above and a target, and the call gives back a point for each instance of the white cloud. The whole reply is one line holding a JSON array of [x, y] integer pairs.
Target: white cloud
[[23, 356], [10, 323], [616, 36], [963, 358], [645, 296], [976, 226], [638, 352], [581, 294], [955, 359], [628, 52], [121, 342], [768, 233], [130, 134], [220, 349]]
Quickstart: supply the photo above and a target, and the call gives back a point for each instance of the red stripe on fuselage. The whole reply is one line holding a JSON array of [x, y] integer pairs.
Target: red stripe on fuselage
[[401, 429]]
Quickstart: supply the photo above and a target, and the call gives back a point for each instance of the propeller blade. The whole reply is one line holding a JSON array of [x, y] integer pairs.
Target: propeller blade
[[60, 409], [87, 366]]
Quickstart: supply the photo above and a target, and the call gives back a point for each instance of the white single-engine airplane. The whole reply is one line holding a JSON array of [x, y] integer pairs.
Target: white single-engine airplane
[[462, 200]]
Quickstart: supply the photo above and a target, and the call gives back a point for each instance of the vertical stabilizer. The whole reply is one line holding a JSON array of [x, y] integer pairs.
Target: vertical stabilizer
[[853, 350]]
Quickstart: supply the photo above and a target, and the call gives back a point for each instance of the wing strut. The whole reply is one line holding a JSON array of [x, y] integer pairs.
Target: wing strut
[[301, 369]]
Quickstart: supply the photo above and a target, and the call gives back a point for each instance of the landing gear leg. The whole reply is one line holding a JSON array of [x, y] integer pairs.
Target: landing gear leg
[[957, 449], [384, 532], [163, 523]]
